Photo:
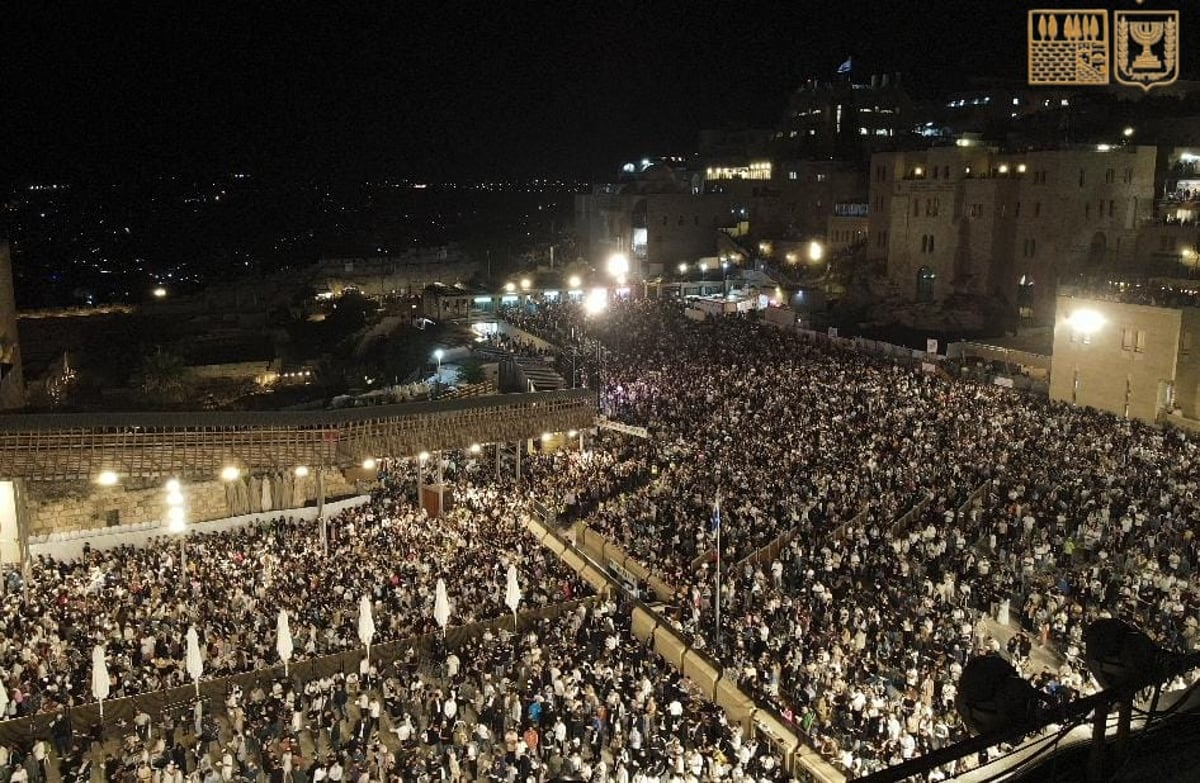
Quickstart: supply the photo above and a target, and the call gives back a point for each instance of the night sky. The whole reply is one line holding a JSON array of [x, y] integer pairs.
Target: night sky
[[447, 89]]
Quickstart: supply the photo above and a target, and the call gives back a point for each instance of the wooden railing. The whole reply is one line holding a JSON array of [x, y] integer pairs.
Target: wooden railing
[[198, 444]]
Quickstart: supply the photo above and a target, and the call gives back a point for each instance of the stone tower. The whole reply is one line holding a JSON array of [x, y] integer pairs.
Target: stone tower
[[12, 380]]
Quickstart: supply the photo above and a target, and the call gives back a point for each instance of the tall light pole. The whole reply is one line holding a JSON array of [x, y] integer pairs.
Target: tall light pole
[[177, 519], [438, 354]]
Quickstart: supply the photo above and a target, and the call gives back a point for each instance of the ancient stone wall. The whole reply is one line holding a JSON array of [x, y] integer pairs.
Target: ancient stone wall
[[62, 507]]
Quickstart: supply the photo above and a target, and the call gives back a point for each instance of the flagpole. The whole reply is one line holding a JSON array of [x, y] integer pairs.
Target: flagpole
[[718, 601]]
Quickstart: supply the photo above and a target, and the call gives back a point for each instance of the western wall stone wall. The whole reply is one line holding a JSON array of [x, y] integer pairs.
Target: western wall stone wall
[[62, 507]]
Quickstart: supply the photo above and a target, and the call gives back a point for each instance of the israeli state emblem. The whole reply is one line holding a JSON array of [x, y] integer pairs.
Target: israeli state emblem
[[1146, 48]]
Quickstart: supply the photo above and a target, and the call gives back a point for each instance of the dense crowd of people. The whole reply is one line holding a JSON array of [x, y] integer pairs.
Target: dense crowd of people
[[139, 601], [922, 511], [574, 697], [910, 521]]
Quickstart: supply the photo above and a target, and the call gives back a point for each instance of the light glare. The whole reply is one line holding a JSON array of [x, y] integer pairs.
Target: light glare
[[618, 265], [596, 301], [1086, 321]]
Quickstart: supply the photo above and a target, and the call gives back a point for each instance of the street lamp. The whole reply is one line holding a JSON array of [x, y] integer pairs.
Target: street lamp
[[596, 302], [107, 478], [526, 283], [438, 354], [160, 292], [683, 269], [510, 287], [369, 463], [301, 471], [177, 519], [575, 281], [815, 251], [618, 265], [1086, 321], [230, 473]]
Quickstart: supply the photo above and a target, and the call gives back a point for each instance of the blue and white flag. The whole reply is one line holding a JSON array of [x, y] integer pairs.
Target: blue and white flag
[[845, 67], [716, 516]]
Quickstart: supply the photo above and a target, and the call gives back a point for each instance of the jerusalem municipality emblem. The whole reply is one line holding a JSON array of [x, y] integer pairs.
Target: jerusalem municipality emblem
[[1068, 47], [1146, 48]]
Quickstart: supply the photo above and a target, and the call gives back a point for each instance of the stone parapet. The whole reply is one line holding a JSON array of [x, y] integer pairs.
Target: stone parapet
[[78, 447]]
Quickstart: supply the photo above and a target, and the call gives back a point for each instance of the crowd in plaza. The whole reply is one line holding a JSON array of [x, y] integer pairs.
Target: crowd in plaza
[[909, 522], [138, 602], [924, 514], [575, 696]]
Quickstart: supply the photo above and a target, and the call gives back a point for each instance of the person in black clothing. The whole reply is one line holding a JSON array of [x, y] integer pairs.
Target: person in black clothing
[[60, 733], [112, 769]]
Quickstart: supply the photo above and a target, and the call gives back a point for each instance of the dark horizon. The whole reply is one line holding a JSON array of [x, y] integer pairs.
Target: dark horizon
[[454, 91]]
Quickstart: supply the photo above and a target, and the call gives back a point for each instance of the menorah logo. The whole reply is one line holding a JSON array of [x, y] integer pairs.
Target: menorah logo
[[1068, 46], [1147, 48]]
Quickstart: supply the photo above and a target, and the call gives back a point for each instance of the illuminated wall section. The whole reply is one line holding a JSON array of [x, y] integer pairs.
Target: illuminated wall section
[[10, 548]]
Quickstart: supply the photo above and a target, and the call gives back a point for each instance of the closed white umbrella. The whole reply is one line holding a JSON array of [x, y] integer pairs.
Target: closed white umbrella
[[441, 606], [194, 661], [101, 684], [283, 639], [512, 593], [366, 624]]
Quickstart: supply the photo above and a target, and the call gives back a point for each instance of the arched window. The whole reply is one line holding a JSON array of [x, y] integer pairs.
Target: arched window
[[925, 280]]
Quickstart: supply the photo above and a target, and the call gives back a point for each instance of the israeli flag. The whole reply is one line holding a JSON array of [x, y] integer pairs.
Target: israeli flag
[[716, 516], [845, 67]]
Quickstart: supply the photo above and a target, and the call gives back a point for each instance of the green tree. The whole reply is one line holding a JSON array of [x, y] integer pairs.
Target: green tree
[[471, 371], [162, 377]]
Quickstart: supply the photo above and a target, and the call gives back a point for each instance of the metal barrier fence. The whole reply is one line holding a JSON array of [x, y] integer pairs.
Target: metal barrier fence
[[121, 711]]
